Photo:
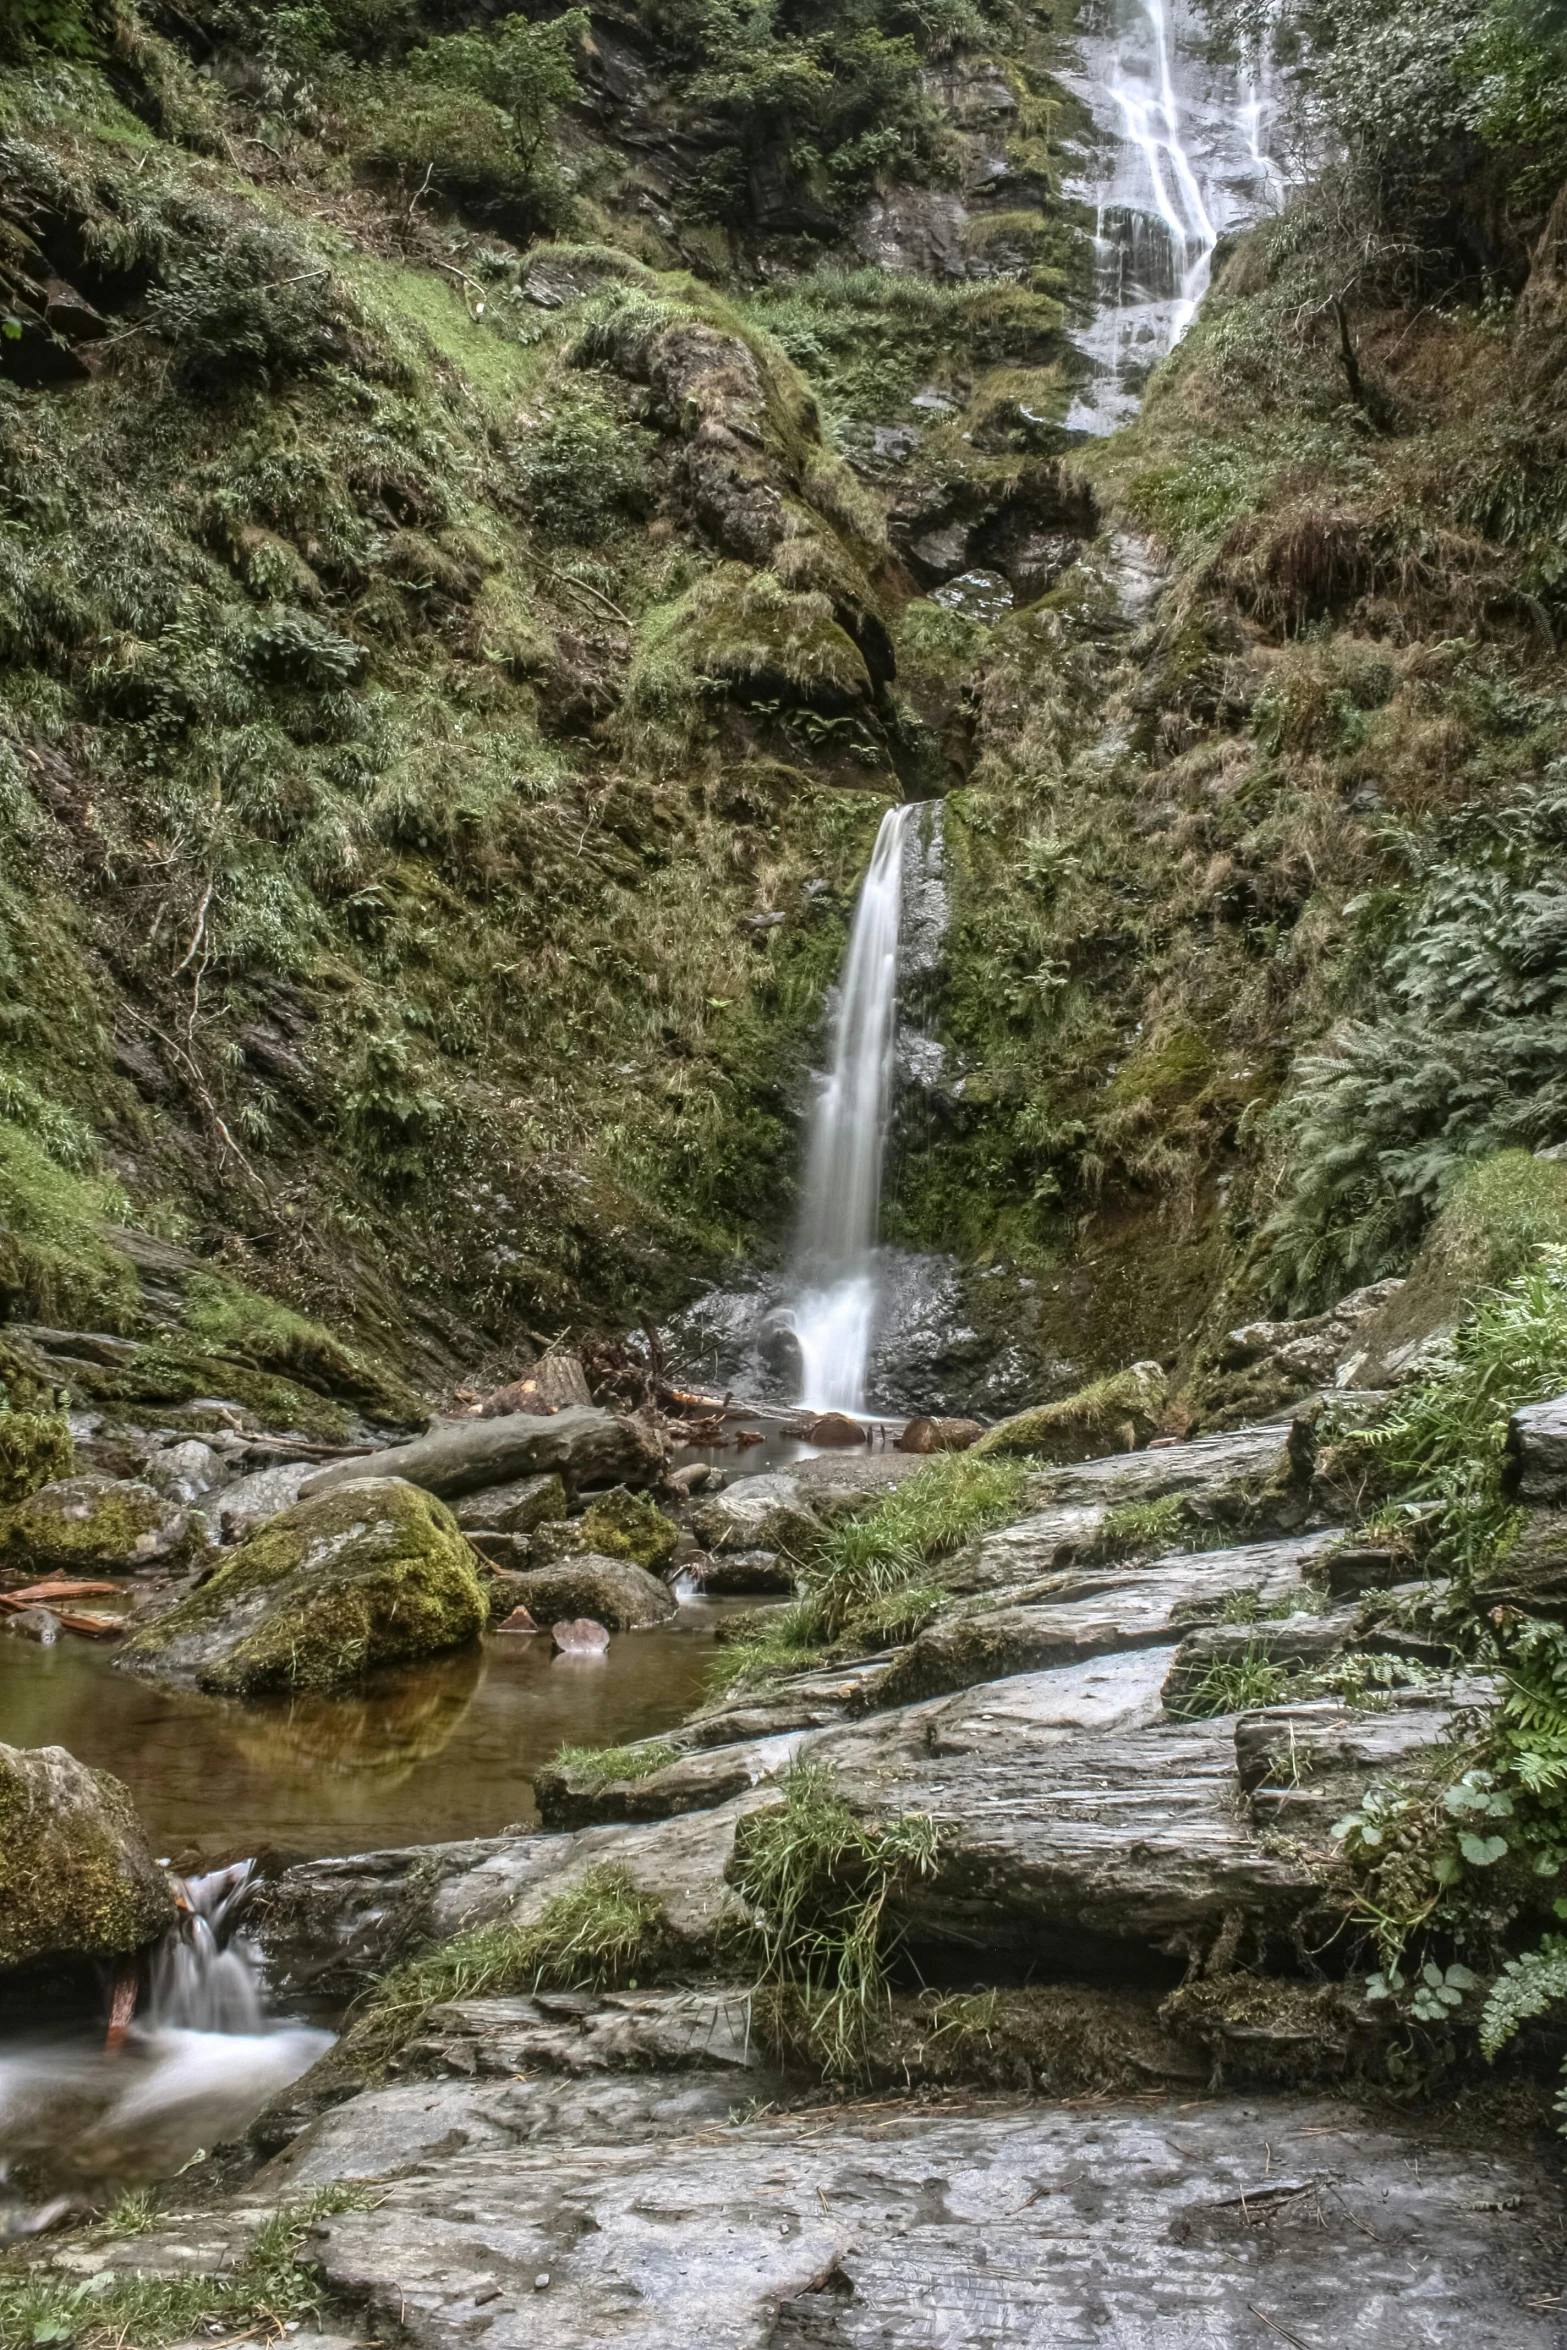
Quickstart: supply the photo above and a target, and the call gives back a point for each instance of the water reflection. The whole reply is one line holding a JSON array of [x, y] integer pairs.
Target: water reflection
[[440, 1750], [397, 1721]]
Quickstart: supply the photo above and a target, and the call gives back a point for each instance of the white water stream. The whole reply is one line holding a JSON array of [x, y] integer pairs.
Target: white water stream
[[834, 1308], [1185, 157]]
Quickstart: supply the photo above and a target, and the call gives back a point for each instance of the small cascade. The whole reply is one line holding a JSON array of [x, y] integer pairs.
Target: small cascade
[[205, 1975], [201, 2058], [1186, 145]]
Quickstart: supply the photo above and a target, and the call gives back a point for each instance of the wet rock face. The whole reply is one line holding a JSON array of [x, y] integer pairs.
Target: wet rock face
[[76, 1874], [613, 1592], [91, 1522], [771, 1512], [1264, 1365], [373, 1573]]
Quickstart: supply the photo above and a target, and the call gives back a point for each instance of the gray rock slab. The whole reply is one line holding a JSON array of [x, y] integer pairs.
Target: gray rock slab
[[391, 2132], [1093, 1612], [589, 2032], [1300, 1766], [1073, 1814], [1149, 2227], [701, 1778], [1231, 1466]]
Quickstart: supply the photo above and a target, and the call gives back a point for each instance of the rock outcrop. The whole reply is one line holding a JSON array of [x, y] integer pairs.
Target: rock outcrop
[[614, 1592]]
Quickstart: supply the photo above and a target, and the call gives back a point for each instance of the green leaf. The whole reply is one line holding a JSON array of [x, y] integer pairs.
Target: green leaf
[[1481, 1851]]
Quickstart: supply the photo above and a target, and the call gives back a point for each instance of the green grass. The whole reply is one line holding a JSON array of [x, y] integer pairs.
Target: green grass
[[599, 1932], [1234, 1685], [819, 1884], [1149, 1526], [873, 1581], [272, 2287], [602, 1766]]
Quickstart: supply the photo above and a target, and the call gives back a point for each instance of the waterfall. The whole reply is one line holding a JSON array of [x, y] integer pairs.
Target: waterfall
[[1185, 160], [204, 1974], [834, 1307]]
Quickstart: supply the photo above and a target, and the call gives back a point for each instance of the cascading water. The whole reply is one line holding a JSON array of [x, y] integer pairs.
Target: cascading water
[[198, 2064], [834, 1307], [1186, 159]]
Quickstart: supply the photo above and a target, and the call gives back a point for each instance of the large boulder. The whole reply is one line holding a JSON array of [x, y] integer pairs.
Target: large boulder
[[626, 1525], [610, 1591], [91, 1521], [1113, 1415], [375, 1573], [583, 1445], [76, 1874]]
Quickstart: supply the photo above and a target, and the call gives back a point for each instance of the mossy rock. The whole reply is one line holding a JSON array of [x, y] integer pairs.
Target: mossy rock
[[77, 1876], [1113, 1415], [373, 1573], [1498, 1214], [35, 1449], [626, 1525], [90, 1522]]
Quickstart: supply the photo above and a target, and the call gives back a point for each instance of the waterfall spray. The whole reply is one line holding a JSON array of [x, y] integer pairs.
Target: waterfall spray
[[835, 1303]]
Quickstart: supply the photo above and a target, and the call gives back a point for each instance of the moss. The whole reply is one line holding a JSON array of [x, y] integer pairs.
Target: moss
[[76, 1874], [35, 1449], [1114, 1414], [84, 1521], [226, 1316], [374, 1573], [54, 1252], [1283, 2032], [626, 1525]]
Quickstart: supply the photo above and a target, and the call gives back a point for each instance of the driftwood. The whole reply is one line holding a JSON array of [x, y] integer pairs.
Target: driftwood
[[584, 1445]]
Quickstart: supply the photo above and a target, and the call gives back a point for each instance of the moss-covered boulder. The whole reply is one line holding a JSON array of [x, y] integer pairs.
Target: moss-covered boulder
[[76, 1874], [1113, 1415], [613, 1592], [1498, 1213], [626, 1525], [373, 1573], [91, 1522]]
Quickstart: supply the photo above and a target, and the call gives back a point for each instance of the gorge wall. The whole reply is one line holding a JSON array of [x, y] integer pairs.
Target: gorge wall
[[495, 509]]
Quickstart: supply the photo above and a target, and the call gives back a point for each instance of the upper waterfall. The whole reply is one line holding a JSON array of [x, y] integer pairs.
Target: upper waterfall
[[1184, 159]]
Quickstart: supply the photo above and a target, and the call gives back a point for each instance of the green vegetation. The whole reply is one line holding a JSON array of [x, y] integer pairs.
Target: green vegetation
[[273, 2284], [593, 1767], [600, 1932], [1232, 1685], [820, 1885], [871, 1582], [1440, 1455]]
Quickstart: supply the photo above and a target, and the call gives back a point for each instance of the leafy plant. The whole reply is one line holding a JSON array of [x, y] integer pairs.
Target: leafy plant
[[819, 1883], [1232, 1685]]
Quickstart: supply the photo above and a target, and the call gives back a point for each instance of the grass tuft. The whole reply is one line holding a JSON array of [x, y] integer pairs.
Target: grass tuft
[[819, 1883], [600, 1932], [272, 2288], [602, 1766]]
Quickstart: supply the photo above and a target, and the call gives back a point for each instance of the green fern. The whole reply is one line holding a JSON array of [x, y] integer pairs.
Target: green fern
[[1526, 1987]]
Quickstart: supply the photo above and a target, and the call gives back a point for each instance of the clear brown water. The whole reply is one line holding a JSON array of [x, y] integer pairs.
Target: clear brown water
[[429, 1752]]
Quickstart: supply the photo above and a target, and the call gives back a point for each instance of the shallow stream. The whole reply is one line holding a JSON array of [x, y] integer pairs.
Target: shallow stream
[[421, 1754]]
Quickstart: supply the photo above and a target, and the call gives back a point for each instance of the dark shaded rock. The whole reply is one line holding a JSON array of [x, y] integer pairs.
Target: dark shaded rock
[[373, 1573], [734, 1574], [76, 1874]]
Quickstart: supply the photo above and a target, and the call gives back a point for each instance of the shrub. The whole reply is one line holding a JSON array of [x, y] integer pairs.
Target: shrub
[[252, 306], [583, 469]]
